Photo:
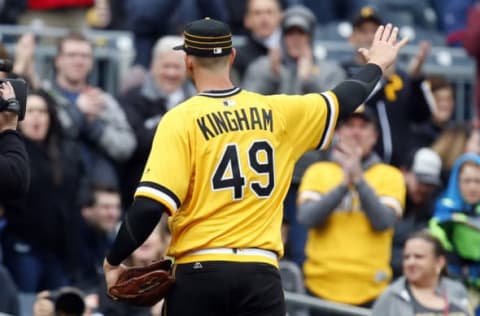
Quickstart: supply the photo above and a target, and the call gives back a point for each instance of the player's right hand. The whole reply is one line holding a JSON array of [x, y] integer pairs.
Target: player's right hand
[[385, 47]]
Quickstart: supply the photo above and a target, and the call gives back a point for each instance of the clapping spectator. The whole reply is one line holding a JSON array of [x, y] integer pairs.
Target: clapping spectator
[[165, 86], [350, 205], [88, 114], [262, 20], [297, 70]]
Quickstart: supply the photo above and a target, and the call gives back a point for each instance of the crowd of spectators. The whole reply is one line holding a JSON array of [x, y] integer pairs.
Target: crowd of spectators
[[398, 165]]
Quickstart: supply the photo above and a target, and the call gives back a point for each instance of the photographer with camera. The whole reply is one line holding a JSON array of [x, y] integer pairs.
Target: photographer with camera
[[15, 175], [14, 167], [13, 156]]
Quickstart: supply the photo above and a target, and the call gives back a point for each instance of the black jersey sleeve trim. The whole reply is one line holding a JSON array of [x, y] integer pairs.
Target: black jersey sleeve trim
[[329, 123], [159, 193]]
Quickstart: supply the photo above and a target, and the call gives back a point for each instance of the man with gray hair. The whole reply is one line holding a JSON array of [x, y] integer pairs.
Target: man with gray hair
[[164, 87]]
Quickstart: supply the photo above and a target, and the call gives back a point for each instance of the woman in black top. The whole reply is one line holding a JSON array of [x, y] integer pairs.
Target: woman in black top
[[38, 225]]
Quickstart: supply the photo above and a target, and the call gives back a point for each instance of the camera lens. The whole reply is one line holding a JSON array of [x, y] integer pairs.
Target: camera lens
[[70, 302]]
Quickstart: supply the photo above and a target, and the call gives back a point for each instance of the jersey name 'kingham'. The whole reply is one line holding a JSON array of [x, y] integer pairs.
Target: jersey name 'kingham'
[[216, 123]]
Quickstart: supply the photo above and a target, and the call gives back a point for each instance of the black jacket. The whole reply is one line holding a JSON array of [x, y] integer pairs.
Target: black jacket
[[14, 166], [143, 113], [397, 105], [44, 217], [247, 53]]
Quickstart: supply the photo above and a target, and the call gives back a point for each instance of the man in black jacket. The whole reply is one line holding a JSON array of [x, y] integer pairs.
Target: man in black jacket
[[262, 19], [398, 100]]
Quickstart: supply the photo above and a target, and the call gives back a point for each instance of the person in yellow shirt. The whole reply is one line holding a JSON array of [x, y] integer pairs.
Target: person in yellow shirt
[[350, 205], [220, 165]]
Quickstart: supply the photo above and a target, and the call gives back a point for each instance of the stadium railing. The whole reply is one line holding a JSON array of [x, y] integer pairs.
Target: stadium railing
[[306, 301]]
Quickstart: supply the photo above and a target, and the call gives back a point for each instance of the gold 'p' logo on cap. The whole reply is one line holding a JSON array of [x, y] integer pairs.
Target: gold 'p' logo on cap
[[367, 12]]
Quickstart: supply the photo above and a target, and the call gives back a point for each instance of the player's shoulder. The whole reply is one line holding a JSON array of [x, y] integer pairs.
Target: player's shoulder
[[385, 169], [322, 167]]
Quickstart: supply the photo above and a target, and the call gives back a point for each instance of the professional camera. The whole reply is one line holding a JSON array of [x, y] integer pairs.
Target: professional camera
[[68, 301], [20, 88]]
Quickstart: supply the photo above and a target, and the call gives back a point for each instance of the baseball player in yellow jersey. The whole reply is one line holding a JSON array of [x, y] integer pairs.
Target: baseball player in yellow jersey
[[220, 166]]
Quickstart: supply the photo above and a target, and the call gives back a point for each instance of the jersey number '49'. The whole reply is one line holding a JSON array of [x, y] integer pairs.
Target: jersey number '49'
[[229, 175]]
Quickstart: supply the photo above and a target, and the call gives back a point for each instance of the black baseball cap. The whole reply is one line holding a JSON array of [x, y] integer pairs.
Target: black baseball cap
[[366, 14], [207, 38], [363, 112]]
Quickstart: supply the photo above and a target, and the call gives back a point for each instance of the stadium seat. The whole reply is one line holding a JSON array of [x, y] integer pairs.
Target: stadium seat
[[292, 281], [418, 34], [333, 31], [417, 13], [26, 301]]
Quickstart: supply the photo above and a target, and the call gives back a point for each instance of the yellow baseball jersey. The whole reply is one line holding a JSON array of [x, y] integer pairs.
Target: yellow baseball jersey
[[221, 162], [347, 261]]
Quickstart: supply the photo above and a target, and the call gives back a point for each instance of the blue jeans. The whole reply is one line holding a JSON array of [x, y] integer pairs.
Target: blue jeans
[[297, 233], [33, 270]]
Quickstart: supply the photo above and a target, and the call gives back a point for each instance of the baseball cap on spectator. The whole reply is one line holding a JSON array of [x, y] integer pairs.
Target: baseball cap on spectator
[[206, 38], [366, 14], [300, 17], [364, 113], [427, 166]]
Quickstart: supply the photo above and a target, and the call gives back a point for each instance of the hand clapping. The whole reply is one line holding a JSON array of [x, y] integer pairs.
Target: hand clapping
[[349, 156]]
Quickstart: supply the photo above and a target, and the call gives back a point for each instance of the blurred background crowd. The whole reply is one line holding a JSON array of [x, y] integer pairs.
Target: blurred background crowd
[[101, 75]]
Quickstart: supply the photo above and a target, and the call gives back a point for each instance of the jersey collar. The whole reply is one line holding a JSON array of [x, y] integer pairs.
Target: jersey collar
[[220, 93]]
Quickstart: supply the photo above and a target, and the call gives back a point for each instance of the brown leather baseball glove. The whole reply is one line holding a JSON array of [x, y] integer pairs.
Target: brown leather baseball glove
[[144, 286]]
